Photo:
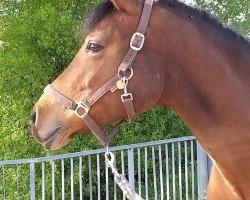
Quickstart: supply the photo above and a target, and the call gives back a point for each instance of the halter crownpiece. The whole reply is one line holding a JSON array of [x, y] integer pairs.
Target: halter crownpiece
[[119, 81]]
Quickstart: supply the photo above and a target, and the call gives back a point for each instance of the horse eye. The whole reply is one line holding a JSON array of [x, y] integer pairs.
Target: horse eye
[[94, 47]]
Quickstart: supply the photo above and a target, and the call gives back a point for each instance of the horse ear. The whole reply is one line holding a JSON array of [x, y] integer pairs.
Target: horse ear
[[127, 5], [116, 4]]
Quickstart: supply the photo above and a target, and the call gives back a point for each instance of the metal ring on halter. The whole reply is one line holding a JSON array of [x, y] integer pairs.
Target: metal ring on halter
[[127, 77], [81, 109]]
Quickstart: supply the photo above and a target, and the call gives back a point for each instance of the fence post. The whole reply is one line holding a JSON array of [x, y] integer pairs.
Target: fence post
[[32, 182], [131, 168], [203, 172]]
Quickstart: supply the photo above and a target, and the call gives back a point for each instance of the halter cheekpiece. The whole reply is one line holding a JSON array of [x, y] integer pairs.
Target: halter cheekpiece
[[82, 107]]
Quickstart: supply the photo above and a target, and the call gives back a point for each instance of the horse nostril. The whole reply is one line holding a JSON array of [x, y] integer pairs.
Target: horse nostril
[[33, 117]]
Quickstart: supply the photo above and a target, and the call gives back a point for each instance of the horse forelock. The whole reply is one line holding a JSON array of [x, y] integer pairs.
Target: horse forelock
[[96, 15]]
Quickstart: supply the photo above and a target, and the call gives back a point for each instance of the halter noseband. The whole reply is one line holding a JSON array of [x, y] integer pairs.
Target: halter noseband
[[119, 81]]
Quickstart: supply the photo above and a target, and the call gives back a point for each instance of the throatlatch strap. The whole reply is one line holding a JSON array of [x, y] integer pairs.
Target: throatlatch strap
[[146, 13], [132, 53], [142, 27]]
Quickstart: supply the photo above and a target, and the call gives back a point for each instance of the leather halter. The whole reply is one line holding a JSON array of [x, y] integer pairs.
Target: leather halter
[[82, 108]]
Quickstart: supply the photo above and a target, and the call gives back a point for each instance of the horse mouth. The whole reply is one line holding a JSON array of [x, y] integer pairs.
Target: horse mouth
[[50, 139]]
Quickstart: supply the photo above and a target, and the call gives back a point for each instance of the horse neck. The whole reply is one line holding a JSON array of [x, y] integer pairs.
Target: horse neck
[[206, 84], [201, 75]]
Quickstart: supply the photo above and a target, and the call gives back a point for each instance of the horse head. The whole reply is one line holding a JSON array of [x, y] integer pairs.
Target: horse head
[[109, 31]]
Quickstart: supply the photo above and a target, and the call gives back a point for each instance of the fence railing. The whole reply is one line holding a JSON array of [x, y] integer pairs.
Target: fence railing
[[169, 169]]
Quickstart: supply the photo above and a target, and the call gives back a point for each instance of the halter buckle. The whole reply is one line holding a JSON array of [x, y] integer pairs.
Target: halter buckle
[[81, 109], [137, 41], [127, 97]]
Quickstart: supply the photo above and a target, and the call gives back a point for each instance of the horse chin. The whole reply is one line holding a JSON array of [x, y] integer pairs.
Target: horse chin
[[77, 133], [57, 142], [55, 139], [60, 139], [57, 145]]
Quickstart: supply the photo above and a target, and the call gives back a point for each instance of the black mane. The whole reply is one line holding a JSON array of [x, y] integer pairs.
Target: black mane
[[106, 8], [202, 16]]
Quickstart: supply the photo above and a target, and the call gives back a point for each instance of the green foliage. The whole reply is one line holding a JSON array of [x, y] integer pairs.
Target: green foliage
[[40, 39], [234, 14]]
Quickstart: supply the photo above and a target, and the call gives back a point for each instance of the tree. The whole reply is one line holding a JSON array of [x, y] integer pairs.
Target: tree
[[233, 13], [40, 39]]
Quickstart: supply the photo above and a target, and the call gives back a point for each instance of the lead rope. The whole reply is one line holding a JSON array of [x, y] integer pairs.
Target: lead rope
[[121, 181]]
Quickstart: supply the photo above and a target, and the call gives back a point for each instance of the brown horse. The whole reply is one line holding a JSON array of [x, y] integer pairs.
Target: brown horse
[[189, 62]]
